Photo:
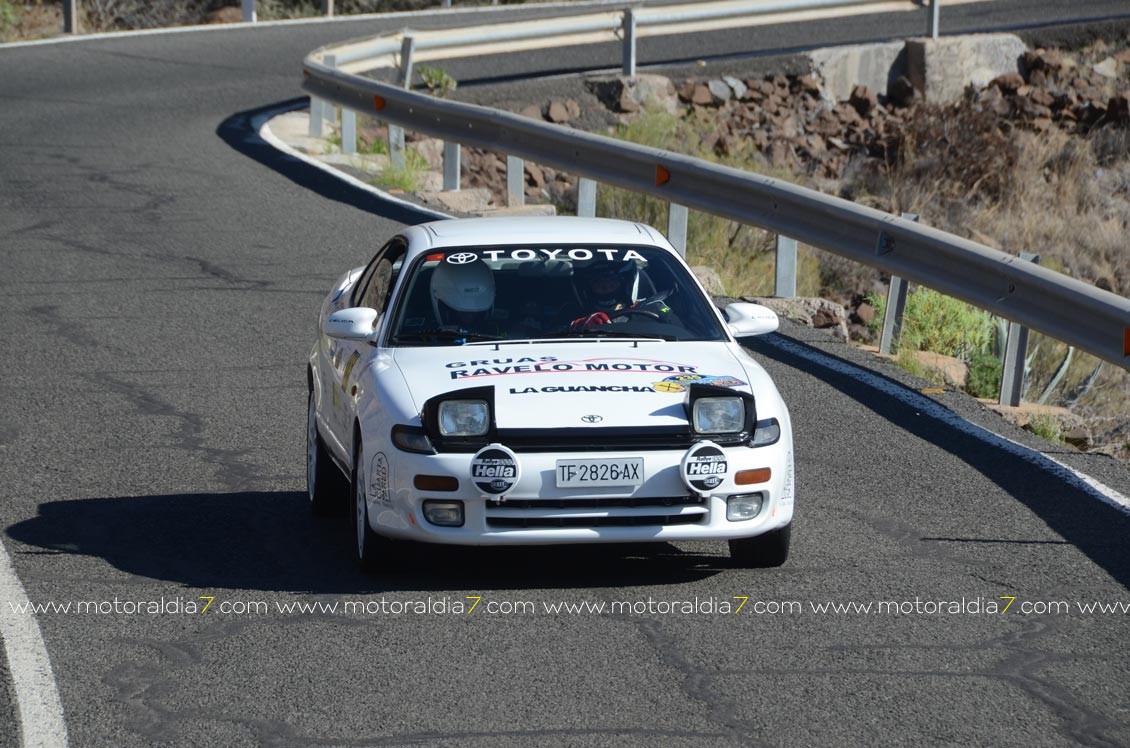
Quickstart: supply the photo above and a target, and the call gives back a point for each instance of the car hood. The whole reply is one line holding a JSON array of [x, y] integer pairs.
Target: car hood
[[572, 385]]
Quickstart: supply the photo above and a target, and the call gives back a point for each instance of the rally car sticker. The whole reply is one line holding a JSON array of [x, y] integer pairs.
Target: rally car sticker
[[680, 382], [579, 254], [579, 388], [605, 365], [379, 479]]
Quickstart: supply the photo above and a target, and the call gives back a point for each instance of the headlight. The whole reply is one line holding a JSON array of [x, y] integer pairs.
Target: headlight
[[719, 415], [463, 417], [768, 432]]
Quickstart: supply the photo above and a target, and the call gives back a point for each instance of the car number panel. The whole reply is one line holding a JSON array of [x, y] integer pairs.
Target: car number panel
[[600, 472]]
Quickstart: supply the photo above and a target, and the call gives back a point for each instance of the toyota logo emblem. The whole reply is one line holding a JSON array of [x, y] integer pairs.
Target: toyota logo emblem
[[462, 258], [592, 419]]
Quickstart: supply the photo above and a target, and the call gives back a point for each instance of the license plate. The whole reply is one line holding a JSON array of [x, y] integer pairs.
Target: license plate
[[612, 471]]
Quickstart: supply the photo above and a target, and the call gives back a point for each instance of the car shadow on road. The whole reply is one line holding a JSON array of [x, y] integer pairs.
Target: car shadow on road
[[1096, 528], [270, 541], [239, 132]]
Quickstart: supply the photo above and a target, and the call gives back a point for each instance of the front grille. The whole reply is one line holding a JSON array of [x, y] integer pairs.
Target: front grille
[[613, 439], [550, 522], [601, 503], [629, 511], [596, 440]]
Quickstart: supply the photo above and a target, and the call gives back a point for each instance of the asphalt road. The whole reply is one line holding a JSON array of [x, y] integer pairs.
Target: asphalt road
[[161, 270]]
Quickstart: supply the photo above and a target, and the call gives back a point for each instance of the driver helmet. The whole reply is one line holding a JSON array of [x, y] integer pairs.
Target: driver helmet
[[607, 285], [462, 294]]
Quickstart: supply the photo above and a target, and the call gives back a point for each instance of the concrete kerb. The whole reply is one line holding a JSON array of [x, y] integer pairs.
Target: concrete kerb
[[289, 131], [262, 126], [940, 69]]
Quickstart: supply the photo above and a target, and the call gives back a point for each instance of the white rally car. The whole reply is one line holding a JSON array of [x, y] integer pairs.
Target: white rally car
[[544, 380]]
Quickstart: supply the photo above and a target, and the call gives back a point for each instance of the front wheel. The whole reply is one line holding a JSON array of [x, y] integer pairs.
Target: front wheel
[[371, 547], [763, 551]]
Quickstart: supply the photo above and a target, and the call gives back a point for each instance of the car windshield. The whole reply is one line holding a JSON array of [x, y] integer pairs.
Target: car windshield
[[467, 295]]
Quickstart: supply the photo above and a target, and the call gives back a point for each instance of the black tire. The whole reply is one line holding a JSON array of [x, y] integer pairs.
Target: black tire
[[370, 549], [763, 551], [325, 485]]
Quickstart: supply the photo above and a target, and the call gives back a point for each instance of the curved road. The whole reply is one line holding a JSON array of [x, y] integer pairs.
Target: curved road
[[160, 274]]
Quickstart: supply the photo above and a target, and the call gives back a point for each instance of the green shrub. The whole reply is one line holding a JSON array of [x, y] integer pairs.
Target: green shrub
[[940, 323], [1047, 427], [372, 147], [984, 375], [437, 80], [9, 15], [406, 178]]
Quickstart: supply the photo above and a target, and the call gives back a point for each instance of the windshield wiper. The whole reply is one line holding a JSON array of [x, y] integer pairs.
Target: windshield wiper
[[601, 332], [441, 334]]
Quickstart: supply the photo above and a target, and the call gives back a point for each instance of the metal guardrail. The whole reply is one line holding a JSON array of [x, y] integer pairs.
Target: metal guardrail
[[625, 25], [249, 14], [1086, 317]]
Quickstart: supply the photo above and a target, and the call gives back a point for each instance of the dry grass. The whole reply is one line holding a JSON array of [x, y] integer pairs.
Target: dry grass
[[1064, 197], [1057, 195], [743, 256]]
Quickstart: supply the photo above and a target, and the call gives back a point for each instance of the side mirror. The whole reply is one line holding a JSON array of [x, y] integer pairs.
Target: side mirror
[[351, 324], [751, 319]]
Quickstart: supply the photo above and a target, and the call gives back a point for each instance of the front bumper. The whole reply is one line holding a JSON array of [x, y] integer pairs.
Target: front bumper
[[537, 512]]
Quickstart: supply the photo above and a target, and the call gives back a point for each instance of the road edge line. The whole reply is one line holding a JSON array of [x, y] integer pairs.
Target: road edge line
[[39, 709], [1037, 459]]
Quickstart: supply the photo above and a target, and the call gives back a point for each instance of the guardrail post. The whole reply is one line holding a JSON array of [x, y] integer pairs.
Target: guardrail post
[[785, 268], [452, 156], [935, 18], [1015, 353], [322, 111], [628, 28], [892, 318], [677, 227], [328, 8], [70, 16], [586, 197], [404, 80], [348, 131], [515, 181], [248, 7], [316, 117], [896, 305], [396, 146], [407, 52]]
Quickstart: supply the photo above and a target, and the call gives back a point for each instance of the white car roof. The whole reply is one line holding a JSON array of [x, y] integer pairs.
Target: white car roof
[[531, 231]]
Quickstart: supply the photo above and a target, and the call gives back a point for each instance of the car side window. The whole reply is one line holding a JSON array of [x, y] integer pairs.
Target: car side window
[[375, 286]]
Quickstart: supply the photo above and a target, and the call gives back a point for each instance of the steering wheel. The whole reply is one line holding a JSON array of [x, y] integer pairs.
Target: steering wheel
[[659, 296], [641, 312]]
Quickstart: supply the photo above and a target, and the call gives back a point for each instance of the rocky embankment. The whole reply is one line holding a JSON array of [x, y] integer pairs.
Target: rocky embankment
[[792, 123]]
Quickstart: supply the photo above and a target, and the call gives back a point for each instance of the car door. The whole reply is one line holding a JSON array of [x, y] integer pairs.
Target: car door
[[349, 358]]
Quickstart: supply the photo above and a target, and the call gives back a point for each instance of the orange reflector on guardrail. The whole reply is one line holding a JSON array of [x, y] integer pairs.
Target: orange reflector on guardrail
[[662, 176], [378, 103], [748, 477]]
